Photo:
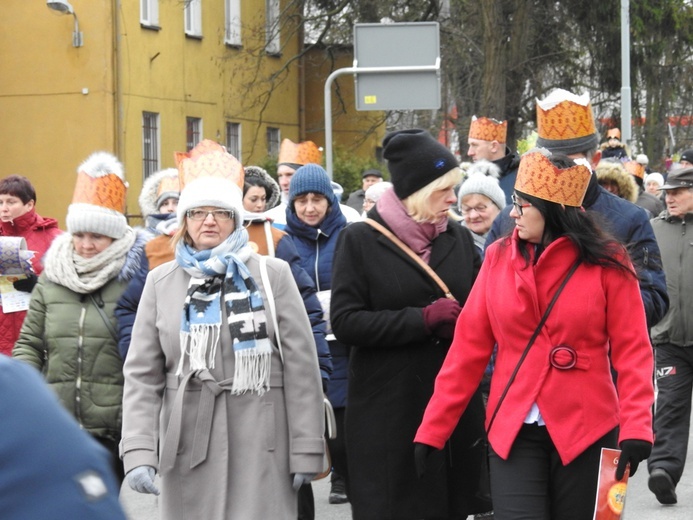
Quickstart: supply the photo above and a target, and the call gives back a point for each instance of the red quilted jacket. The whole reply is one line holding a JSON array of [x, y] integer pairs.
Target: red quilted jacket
[[39, 232]]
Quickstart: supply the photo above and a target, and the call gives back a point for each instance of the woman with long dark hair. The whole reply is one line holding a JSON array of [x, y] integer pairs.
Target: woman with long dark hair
[[553, 404]]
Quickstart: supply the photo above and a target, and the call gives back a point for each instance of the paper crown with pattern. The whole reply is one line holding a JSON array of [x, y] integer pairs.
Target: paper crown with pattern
[[635, 168], [208, 159], [98, 202], [157, 188], [291, 153], [487, 129], [537, 176], [210, 176], [565, 123]]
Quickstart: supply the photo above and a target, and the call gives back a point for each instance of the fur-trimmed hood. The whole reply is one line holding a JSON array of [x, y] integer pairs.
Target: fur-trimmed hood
[[260, 173], [149, 194], [616, 172]]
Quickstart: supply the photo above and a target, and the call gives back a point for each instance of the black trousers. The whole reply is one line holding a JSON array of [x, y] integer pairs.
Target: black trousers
[[337, 448], [116, 463], [672, 418], [533, 484]]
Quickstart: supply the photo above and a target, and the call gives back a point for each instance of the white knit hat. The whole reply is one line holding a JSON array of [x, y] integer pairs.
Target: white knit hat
[[482, 184], [98, 202], [216, 192]]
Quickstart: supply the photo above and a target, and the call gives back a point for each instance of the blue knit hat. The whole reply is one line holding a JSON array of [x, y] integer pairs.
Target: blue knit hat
[[311, 178]]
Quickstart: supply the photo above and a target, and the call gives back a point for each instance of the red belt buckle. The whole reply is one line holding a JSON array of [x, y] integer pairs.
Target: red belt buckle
[[563, 357]]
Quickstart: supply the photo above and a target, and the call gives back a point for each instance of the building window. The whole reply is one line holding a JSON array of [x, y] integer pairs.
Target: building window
[[233, 139], [193, 131], [273, 137], [150, 143], [149, 12], [272, 43], [232, 34], [193, 18]]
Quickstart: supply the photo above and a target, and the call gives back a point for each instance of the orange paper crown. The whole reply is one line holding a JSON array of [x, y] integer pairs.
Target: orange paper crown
[[566, 120], [208, 159], [635, 168], [107, 191], [301, 153], [488, 129], [538, 177], [613, 132], [168, 184]]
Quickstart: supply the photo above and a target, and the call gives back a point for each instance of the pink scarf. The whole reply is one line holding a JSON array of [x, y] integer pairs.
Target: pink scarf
[[417, 235]]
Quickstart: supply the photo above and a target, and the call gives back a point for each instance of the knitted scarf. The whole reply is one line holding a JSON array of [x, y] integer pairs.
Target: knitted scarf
[[216, 272], [86, 275], [418, 236]]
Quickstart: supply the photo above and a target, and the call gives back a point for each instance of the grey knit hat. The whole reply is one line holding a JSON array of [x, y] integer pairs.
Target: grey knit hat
[[487, 185]]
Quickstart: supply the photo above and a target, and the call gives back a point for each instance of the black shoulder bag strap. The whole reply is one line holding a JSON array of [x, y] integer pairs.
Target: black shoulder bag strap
[[105, 319], [531, 342]]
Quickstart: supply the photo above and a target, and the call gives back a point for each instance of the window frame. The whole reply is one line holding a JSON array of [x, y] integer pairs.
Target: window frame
[[193, 132], [151, 139], [192, 18], [233, 146]]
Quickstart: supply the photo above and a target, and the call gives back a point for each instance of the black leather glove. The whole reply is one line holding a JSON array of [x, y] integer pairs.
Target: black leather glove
[[26, 284], [421, 453], [632, 452]]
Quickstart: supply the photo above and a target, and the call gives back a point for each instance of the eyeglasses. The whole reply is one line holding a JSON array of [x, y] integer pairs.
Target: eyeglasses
[[480, 209], [518, 206], [220, 215]]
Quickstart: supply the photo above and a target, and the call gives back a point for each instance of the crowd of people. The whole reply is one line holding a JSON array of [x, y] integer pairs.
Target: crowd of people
[[479, 332]]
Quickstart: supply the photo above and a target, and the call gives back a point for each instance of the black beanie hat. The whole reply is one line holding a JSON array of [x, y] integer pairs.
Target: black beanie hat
[[415, 159]]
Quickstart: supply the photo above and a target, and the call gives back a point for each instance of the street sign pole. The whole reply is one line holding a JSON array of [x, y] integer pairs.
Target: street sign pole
[[396, 67], [361, 70]]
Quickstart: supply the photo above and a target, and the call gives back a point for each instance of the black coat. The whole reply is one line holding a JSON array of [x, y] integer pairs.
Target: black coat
[[378, 294]]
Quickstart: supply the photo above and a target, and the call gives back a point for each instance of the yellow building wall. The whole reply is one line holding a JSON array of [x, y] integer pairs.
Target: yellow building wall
[[59, 103], [359, 132], [48, 125]]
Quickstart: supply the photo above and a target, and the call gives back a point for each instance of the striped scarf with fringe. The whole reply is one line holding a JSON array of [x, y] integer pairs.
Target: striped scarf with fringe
[[213, 272]]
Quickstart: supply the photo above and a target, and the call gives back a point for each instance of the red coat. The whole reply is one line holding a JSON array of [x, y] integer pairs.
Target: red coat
[[39, 232], [599, 310]]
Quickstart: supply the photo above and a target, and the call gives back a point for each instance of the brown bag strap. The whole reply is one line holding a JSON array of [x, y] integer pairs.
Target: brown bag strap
[[412, 255]]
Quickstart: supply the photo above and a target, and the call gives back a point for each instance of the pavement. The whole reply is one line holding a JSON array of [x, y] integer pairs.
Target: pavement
[[144, 507], [641, 504]]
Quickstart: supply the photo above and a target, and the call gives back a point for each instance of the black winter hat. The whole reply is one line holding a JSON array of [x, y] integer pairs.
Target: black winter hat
[[415, 159]]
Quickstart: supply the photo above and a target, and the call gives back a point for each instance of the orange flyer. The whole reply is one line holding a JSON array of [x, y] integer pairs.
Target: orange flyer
[[611, 493]]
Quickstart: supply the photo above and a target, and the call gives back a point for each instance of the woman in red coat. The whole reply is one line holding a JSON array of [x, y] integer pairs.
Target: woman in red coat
[[18, 218], [548, 422]]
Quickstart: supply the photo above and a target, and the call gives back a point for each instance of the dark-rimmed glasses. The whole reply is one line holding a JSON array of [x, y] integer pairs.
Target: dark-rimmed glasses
[[220, 215], [519, 207]]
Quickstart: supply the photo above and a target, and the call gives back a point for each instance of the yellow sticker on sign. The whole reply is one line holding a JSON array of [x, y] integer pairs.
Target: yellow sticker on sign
[[370, 100]]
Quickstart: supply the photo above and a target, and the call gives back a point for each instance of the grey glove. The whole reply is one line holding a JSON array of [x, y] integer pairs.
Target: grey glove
[[302, 478], [141, 479]]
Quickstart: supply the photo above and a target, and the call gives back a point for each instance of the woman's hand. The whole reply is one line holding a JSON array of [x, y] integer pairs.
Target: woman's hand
[[632, 453], [302, 478], [421, 453], [441, 316], [141, 479]]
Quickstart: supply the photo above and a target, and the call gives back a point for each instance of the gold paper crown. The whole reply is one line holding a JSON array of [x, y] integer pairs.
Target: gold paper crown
[[488, 129], [208, 159], [107, 191], [538, 177], [301, 153], [168, 184], [100, 182], [566, 120], [635, 168], [613, 132]]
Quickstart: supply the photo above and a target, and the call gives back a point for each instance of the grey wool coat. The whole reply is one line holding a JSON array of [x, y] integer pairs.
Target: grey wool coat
[[236, 460]]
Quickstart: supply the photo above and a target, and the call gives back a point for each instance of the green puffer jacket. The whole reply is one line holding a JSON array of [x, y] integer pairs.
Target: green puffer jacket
[[65, 337]]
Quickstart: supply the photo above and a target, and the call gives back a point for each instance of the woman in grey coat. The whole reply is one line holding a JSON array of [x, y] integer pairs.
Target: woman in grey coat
[[232, 426]]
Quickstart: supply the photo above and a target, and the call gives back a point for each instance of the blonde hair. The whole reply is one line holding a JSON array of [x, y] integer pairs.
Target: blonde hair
[[181, 234], [417, 203]]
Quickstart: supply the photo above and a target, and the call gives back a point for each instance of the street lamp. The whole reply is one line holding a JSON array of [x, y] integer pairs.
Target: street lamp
[[63, 6]]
